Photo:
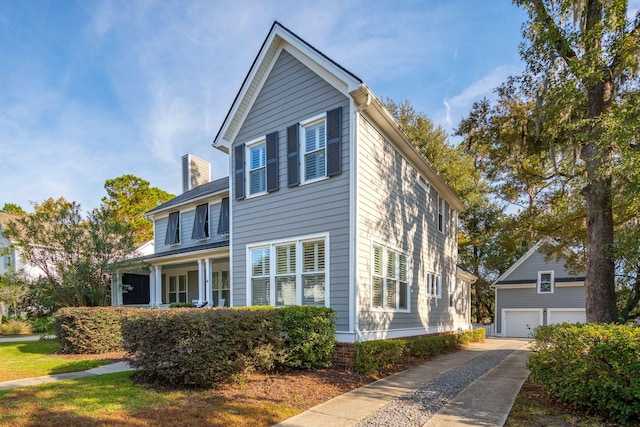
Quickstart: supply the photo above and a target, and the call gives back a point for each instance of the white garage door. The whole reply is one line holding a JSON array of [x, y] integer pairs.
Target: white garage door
[[558, 315], [520, 323]]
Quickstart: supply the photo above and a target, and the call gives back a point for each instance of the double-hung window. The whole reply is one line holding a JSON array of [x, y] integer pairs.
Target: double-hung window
[[201, 223], [434, 285], [257, 168], [389, 283], [545, 282], [289, 272], [173, 229], [315, 143], [442, 210]]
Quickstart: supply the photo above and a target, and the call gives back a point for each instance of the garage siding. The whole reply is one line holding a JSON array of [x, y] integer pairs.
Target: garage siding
[[564, 297]]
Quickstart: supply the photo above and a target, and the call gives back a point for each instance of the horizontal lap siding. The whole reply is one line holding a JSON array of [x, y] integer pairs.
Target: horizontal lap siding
[[394, 209], [536, 262], [293, 93], [562, 297]]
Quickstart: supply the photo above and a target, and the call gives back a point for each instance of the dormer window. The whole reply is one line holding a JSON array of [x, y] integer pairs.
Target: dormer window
[[545, 282], [201, 223], [173, 229]]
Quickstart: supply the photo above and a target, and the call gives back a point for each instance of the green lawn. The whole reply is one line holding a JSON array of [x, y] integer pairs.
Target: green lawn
[[37, 358]]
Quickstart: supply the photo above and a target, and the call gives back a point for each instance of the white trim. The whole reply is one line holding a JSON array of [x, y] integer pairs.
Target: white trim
[[298, 241], [404, 332], [353, 220], [552, 281], [503, 331], [385, 248]]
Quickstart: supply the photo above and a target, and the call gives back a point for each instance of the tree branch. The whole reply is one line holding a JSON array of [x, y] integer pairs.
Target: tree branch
[[558, 42]]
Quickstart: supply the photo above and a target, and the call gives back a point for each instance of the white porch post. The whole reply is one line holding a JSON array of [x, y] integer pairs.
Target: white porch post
[[201, 282], [152, 286], [117, 290], [158, 286], [209, 269]]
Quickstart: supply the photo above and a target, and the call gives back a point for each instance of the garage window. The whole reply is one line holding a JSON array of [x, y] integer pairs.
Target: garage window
[[545, 282]]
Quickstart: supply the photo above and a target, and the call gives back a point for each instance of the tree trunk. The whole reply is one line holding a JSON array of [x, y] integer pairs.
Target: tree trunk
[[597, 156]]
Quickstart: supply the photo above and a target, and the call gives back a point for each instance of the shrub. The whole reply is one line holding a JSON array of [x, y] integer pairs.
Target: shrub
[[309, 334], [90, 330], [17, 327], [43, 325], [374, 356], [200, 348], [593, 366]]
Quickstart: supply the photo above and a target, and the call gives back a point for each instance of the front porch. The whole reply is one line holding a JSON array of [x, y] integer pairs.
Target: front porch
[[159, 280]]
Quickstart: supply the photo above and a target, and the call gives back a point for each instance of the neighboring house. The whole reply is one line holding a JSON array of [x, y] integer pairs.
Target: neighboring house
[[328, 204], [535, 291]]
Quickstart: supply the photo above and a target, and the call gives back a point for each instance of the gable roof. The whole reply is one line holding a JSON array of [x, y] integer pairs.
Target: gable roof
[[522, 259], [281, 38], [210, 188]]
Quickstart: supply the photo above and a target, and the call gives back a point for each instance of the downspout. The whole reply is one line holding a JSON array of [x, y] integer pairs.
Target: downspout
[[358, 109]]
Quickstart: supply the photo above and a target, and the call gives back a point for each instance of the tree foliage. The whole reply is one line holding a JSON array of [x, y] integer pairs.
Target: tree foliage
[[559, 137], [128, 198], [74, 255], [14, 209]]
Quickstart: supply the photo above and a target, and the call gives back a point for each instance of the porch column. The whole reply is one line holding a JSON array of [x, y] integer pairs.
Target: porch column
[[117, 290], [158, 286], [152, 286], [201, 282], [208, 284]]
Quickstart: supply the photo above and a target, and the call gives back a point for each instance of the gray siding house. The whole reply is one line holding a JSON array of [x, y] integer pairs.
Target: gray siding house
[[329, 204], [535, 291]]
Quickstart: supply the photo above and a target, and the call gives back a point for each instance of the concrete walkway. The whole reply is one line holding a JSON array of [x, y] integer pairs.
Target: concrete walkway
[[486, 402]]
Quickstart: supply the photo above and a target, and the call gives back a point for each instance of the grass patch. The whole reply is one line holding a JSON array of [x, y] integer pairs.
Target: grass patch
[[38, 358], [114, 400]]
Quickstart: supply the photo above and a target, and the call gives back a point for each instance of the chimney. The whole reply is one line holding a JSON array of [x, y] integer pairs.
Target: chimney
[[195, 171]]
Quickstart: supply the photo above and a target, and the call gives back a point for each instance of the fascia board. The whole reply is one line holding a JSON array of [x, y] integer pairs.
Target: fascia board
[[523, 258]]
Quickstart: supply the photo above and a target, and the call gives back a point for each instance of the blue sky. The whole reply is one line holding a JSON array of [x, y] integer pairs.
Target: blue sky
[[92, 90]]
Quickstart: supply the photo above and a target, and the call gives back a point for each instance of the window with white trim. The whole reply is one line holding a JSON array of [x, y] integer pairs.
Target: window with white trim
[[442, 210], [178, 288], [434, 285], [389, 283], [257, 162], [314, 141], [545, 282], [289, 273]]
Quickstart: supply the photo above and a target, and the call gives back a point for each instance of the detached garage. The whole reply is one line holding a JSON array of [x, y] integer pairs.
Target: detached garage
[[520, 322], [538, 290]]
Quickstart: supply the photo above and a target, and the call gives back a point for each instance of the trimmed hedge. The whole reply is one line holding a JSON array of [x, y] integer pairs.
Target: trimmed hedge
[[309, 334], [372, 357], [92, 330], [203, 347], [592, 366]]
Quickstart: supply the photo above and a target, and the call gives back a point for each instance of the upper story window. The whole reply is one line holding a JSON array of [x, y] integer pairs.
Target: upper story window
[[255, 166], [442, 211], [545, 282], [201, 223], [173, 229], [389, 283], [257, 158], [315, 142]]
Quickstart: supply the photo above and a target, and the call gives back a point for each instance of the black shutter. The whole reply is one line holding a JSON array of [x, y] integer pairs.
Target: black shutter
[[223, 221], [272, 162], [334, 142], [173, 229], [293, 173], [239, 171]]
